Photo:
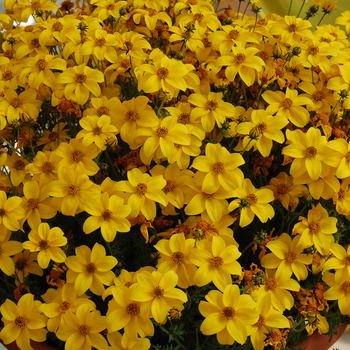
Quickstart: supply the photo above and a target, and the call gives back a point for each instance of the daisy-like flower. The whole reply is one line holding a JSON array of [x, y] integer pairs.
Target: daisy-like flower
[[106, 8], [17, 166], [144, 192], [339, 261], [82, 330], [90, 269], [120, 342], [288, 105], [8, 248], [79, 82], [23, 322], [317, 229], [52, 139], [133, 44], [25, 264], [210, 109], [10, 212], [158, 293], [227, 314], [242, 61], [175, 255], [109, 214], [287, 257], [97, 130], [216, 261], [252, 202], [262, 130], [47, 243], [339, 290], [342, 156], [344, 20]]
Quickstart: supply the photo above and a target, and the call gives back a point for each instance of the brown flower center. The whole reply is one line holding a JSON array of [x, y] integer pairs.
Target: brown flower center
[[44, 244], [292, 28], [347, 157], [318, 95], [64, 306], [7, 75], [347, 260], [291, 257], [53, 136], [341, 194], [198, 17], [36, 5], [211, 104], [310, 152], [271, 283], [162, 72], [16, 102], [218, 167], [141, 189], [233, 34], [107, 215], [2, 212], [228, 312], [131, 116], [91, 268], [208, 195], [158, 292], [216, 261], [80, 78], [48, 167], [73, 189], [261, 127], [252, 198], [170, 186], [41, 64], [20, 264], [314, 227], [19, 165], [346, 286], [132, 309], [183, 118], [162, 131], [83, 330], [103, 110], [32, 203], [178, 257], [261, 321], [282, 188], [77, 156], [239, 58], [313, 50], [100, 41], [21, 322], [57, 27], [35, 43], [287, 103], [97, 130]]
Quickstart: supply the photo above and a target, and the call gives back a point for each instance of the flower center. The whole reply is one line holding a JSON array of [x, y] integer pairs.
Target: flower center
[[19, 165], [110, 6], [100, 41], [287, 103], [32, 203], [313, 50], [318, 95], [91, 268], [64, 306], [97, 130], [41, 64], [141, 189], [77, 156], [57, 27], [162, 72], [216, 261], [208, 195], [183, 118], [347, 157], [80, 78], [178, 257], [7, 75], [233, 34], [20, 264], [314, 227], [252, 198], [271, 283], [44, 244], [341, 194], [211, 104], [48, 167], [21, 322], [311, 152], [83, 330], [132, 309], [218, 167], [347, 260], [239, 58], [103, 110], [282, 188], [35, 43], [158, 292], [228, 312], [198, 17], [292, 28], [291, 257], [73, 189], [170, 185], [16, 102], [2, 212], [162, 131], [261, 127], [346, 286], [261, 321], [131, 116], [53, 136], [107, 215]]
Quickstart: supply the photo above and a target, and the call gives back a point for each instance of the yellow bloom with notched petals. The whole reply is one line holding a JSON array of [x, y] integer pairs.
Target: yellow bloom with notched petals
[[7, 249], [25, 265], [10, 212]]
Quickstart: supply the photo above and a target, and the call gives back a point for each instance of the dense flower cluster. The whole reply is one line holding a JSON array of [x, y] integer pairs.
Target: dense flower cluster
[[149, 150]]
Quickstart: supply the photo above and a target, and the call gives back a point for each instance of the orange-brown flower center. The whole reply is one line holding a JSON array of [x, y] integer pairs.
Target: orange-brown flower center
[[291, 257], [314, 227], [292, 28], [183, 118], [57, 27], [53, 136], [141, 189], [162, 72], [44, 244], [132, 309], [91, 268], [158, 292], [271, 283], [178, 257], [218, 167], [80, 78], [32, 203], [35, 43], [77, 156], [41, 64], [239, 58], [347, 260], [228, 312], [233, 34], [100, 41], [282, 188], [73, 189], [346, 286], [318, 95], [64, 306], [287, 103], [96, 130], [211, 104], [261, 321], [216, 261], [170, 186], [313, 50], [132, 116], [2, 212], [16, 102], [20, 264], [21, 322], [48, 167], [102, 110], [198, 17], [162, 131], [107, 215], [311, 152], [261, 127], [252, 198], [83, 330], [19, 165], [7, 75]]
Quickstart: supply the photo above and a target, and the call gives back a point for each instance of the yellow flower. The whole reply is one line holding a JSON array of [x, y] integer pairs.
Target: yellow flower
[[317, 229], [341, 199], [106, 8], [252, 202], [339, 290], [7, 249], [339, 261], [109, 214], [228, 314], [23, 322], [120, 342], [16, 165], [158, 293], [47, 242], [288, 105], [341, 157], [90, 269], [287, 257], [97, 130], [10, 212], [344, 20], [59, 301], [216, 261], [175, 255], [133, 43], [124, 312], [82, 330], [79, 82], [144, 191], [52, 139], [25, 264]]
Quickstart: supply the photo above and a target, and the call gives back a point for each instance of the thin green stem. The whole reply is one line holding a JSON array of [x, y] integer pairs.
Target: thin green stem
[[301, 7], [245, 10], [321, 19], [290, 6]]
